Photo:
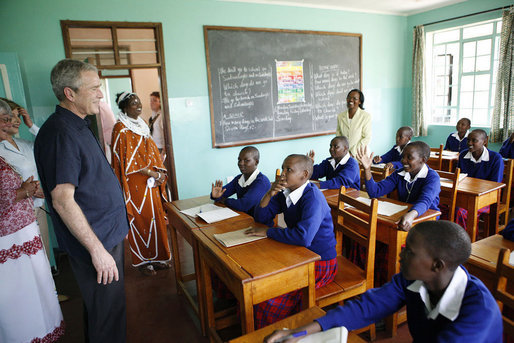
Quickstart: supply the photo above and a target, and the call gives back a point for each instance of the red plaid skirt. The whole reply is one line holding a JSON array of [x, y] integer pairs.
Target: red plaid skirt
[[461, 216], [357, 254], [273, 310]]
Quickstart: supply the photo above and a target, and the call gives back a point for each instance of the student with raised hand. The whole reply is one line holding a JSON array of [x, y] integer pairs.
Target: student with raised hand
[[458, 140], [444, 302], [416, 182], [507, 149], [309, 224], [340, 169], [481, 163], [249, 186], [394, 156]]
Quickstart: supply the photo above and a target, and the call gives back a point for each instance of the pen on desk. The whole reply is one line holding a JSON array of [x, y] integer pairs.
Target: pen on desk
[[293, 335]]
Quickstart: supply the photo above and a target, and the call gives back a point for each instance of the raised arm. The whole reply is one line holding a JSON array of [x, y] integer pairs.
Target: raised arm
[[64, 203]]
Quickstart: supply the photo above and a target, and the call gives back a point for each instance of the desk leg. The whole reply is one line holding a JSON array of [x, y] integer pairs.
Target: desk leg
[[494, 216], [309, 292], [199, 287], [472, 222], [246, 306], [393, 267], [207, 296], [176, 257]]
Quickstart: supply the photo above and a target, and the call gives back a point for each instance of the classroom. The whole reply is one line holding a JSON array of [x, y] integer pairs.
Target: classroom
[[32, 43]]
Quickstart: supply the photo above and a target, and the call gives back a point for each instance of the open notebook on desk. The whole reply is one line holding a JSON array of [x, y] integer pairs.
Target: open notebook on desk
[[379, 165], [448, 182], [230, 239], [210, 212], [334, 335], [385, 208]]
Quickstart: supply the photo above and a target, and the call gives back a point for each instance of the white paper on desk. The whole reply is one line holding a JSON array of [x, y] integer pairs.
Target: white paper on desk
[[379, 165], [450, 153], [230, 239], [193, 211], [448, 183], [217, 215], [385, 208], [334, 335]]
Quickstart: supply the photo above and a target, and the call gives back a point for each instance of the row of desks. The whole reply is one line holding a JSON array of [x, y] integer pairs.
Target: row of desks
[[255, 272]]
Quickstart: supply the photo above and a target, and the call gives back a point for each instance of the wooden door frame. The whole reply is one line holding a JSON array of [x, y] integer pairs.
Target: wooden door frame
[[161, 69]]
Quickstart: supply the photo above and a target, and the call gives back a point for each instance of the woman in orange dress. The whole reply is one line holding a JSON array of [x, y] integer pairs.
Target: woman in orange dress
[[138, 166]]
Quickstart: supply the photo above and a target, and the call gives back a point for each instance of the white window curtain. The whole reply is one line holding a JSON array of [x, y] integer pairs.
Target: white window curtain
[[418, 81], [502, 122]]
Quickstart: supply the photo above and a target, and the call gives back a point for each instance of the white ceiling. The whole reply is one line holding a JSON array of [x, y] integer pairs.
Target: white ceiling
[[396, 7]]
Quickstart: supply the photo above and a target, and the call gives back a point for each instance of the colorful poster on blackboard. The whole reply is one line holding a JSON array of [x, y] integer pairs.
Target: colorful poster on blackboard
[[290, 82]]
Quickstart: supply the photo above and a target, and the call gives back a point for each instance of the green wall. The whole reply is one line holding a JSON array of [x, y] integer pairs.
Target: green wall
[[37, 40]]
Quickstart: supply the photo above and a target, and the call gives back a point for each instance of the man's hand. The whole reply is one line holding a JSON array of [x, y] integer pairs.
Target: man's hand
[[217, 189], [106, 270]]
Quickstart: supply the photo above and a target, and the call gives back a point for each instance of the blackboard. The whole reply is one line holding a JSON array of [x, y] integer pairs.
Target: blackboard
[[272, 84]]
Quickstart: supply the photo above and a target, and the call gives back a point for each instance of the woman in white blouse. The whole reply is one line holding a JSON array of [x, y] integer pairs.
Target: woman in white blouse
[[355, 123]]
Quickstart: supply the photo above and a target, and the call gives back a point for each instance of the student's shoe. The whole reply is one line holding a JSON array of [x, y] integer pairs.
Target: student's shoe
[[147, 270]]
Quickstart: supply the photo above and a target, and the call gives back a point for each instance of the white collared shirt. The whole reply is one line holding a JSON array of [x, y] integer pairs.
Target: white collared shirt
[[248, 182], [456, 135], [484, 157], [22, 160], [420, 175], [294, 196], [400, 150], [342, 162], [451, 301]]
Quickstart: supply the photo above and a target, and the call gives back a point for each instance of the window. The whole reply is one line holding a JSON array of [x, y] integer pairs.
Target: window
[[462, 63]]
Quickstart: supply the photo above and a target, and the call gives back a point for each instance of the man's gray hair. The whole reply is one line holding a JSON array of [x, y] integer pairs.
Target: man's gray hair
[[67, 73], [4, 108]]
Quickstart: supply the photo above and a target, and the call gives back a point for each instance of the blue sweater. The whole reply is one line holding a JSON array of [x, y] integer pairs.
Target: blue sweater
[[507, 149], [347, 175], [424, 193], [479, 319], [394, 157], [247, 197], [491, 170], [309, 222], [453, 144]]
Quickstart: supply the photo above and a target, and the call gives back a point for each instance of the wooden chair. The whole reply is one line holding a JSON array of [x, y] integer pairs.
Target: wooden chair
[[502, 294], [378, 174], [504, 205], [351, 280], [449, 198], [437, 164]]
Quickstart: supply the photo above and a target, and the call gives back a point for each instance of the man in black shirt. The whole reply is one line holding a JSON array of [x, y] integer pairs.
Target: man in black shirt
[[85, 199]]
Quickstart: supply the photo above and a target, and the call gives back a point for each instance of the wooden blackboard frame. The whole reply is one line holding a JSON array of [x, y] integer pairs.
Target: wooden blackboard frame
[[208, 28]]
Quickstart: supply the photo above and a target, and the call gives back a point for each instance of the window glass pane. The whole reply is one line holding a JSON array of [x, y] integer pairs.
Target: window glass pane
[[481, 117], [468, 65], [440, 100], [482, 82], [439, 50], [466, 99], [93, 45], [483, 63], [481, 99], [493, 94], [469, 49], [454, 96], [484, 47], [137, 46], [446, 36], [499, 27], [467, 83], [477, 31]]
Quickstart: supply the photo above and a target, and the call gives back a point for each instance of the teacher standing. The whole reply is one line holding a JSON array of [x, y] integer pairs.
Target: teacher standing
[[355, 123]]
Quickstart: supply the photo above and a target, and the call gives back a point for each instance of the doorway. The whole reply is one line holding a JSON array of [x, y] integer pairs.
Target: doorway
[[127, 54]]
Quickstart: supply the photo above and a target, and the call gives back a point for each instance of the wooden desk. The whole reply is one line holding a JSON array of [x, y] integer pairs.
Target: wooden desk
[[297, 320], [388, 233], [484, 257], [473, 194], [184, 225], [449, 161], [253, 272]]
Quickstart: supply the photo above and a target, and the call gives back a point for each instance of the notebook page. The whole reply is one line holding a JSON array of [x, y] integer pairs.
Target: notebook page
[[230, 239], [217, 215], [334, 335], [385, 208], [193, 211]]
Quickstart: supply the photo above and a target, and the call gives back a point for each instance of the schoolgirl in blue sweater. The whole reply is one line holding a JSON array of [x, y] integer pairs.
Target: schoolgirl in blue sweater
[[309, 224], [393, 158], [507, 149], [416, 183], [444, 302], [249, 186], [340, 169], [458, 141]]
